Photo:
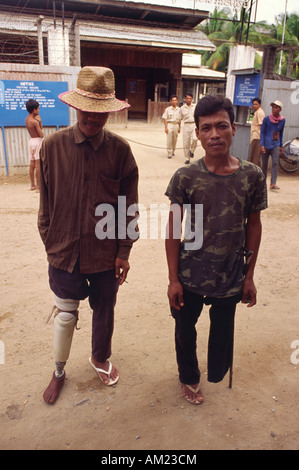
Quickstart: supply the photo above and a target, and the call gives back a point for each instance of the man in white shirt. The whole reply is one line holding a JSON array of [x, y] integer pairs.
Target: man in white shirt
[[172, 123], [189, 137], [255, 148]]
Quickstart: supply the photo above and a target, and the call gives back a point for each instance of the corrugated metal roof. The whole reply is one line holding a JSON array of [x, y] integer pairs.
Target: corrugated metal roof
[[203, 72], [156, 37], [174, 13], [118, 33]]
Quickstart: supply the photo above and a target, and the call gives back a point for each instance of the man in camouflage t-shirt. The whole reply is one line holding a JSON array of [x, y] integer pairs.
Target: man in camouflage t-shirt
[[231, 193]]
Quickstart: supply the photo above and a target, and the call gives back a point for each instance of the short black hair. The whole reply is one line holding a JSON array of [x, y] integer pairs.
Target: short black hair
[[257, 99], [174, 96], [188, 94], [211, 104], [31, 105]]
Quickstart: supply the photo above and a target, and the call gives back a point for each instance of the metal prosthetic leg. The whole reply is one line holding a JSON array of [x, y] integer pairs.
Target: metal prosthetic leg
[[66, 317]]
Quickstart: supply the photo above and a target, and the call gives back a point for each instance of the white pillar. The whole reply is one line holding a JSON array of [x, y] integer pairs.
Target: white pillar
[[58, 47], [240, 57]]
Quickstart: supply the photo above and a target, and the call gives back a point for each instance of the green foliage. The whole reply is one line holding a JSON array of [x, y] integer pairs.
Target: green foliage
[[225, 33]]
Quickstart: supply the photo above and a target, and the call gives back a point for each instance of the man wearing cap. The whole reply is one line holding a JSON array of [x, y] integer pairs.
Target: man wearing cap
[[271, 140], [84, 170]]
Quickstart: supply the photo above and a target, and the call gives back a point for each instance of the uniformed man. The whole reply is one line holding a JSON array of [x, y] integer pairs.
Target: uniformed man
[[172, 123], [189, 137], [255, 131]]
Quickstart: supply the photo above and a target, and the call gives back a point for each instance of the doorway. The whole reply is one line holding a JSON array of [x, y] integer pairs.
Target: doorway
[[136, 94]]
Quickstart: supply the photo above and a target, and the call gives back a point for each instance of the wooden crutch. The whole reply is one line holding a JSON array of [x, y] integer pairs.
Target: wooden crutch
[[230, 385]]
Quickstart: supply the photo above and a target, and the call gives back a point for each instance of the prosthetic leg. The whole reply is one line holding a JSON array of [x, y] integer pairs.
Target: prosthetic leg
[[65, 320], [66, 317]]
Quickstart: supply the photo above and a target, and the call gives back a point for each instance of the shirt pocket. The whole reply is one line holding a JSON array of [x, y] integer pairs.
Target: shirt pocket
[[107, 190], [185, 113]]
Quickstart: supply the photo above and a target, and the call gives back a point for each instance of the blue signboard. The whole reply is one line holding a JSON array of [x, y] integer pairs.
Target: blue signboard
[[15, 93], [246, 88]]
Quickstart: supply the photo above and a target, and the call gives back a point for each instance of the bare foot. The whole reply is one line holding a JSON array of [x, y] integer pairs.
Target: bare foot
[[273, 186], [53, 390], [108, 378], [193, 394], [32, 188]]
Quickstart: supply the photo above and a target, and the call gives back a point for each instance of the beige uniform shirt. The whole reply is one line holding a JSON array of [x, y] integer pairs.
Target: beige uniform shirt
[[187, 113], [172, 115], [256, 124]]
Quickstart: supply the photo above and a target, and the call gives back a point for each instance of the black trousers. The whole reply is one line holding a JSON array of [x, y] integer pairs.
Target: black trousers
[[221, 337]]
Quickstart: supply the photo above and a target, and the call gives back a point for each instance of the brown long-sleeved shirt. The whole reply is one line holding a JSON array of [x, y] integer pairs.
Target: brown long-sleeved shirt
[[76, 176]]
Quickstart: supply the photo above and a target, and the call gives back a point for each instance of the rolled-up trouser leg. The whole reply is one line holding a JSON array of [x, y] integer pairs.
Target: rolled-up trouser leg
[[221, 337], [64, 325]]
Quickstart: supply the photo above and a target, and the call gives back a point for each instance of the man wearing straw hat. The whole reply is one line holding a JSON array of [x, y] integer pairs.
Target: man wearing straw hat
[[83, 168]]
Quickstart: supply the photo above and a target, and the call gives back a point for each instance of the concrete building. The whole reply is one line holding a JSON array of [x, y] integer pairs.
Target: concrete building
[[199, 79], [43, 44], [142, 42]]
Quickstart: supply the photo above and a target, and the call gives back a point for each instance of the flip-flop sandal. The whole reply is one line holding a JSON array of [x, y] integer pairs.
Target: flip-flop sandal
[[102, 371], [199, 399]]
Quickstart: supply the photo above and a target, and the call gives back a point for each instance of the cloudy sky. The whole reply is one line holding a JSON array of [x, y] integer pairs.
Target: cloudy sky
[[267, 9]]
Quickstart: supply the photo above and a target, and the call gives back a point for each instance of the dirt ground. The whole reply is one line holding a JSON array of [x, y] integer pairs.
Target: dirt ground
[[146, 411]]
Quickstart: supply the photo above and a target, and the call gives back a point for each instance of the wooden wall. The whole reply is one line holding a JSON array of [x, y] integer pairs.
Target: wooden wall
[[155, 111], [127, 62], [104, 54]]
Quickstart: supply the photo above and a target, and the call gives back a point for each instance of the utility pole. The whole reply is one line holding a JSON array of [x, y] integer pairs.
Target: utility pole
[[282, 39]]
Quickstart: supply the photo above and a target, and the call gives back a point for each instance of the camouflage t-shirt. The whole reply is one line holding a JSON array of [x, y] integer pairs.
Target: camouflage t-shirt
[[214, 268]]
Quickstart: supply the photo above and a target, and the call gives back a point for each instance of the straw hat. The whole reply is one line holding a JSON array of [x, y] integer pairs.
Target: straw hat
[[95, 92], [278, 103]]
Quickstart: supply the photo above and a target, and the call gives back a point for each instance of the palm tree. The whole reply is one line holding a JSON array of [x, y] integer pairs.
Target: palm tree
[[291, 38], [225, 30], [293, 24]]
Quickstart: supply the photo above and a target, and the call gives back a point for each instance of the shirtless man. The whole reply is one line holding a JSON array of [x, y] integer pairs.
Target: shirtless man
[[34, 126]]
